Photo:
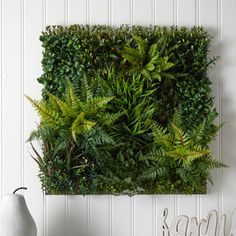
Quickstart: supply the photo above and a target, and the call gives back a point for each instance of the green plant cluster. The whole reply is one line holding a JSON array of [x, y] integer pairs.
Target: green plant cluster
[[125, 110]]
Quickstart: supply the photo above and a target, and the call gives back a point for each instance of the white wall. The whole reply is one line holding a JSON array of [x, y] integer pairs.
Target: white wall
[[21, 23]]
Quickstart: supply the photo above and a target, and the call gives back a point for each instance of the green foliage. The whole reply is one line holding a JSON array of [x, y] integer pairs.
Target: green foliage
[[125, 110], [182, 157], [71, 132], [147, 60]]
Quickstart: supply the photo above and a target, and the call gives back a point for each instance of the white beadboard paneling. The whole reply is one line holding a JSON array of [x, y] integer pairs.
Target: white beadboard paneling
[[186, 12], [56, 217], [77, 208], [1, 95], [99, 215], [55, 12], [142, 12], [78, 215], [227, 74], [12, 95], [160, 202], [120, 13], [77, 11], [164, 12], [21, 22], [206, 19], [121, 216], [210, 21], [99, 11], [143, 213], [32, 70], [187, 205], [56, 211]]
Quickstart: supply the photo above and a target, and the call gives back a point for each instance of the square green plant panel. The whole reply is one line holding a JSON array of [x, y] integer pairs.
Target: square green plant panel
[[125, 110]]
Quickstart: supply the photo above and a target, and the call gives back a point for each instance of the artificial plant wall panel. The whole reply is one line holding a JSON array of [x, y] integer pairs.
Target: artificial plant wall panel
[[125, 110]]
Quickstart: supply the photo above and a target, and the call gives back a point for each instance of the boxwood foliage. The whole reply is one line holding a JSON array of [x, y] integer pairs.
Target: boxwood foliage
[[125, 110]]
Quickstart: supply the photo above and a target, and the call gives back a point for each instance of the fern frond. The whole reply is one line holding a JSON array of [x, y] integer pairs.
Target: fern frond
[[213, 163], [109, 118], [85, 92], [96, 103], [153, 52], [161, 136], [155, 172], [62, 141], [100, 137], [62, 106], [177, 117], [149, 174], [181, 138], [71, 99], [185, 155], [90, 146], [131, 55], [81, 125], [155, 155], [34, 135], [46, 115], [161, 44], [198, 133], [141, 44]]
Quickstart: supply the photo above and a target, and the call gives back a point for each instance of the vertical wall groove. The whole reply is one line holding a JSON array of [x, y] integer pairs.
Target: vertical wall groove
[[45, 217], [197, 12], [45, 211], [44, 14], [67, 228], [175, 22], [154, 197], [109, 3], [66, 11], [22, 94], [198, 206], [197, 22], [219, 92], [88, 199], [88, 215], [175, 12], [132, 221], [154, 215], [131, 17], [67, 213], [88, 11], [153, 12], [110, 213], [1, 75]]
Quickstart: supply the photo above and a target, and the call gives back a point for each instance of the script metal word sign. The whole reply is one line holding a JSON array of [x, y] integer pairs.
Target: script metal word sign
[[186, 226]]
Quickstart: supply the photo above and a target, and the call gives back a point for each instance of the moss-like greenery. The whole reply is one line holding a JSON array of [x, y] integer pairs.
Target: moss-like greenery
[[125, 110]]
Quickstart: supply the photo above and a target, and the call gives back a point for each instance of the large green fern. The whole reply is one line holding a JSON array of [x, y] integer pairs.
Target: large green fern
[[72, 113], [182, 155]]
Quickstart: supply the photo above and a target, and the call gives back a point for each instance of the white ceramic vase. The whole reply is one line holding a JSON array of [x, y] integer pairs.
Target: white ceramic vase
[[15, 218]]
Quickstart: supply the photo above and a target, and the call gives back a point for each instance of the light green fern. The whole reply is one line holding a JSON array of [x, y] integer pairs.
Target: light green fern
[[71, 112]]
